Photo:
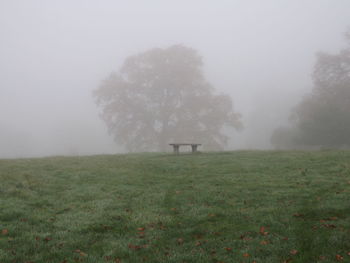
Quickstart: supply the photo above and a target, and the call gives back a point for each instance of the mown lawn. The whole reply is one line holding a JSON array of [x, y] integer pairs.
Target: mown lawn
[[246, 206]]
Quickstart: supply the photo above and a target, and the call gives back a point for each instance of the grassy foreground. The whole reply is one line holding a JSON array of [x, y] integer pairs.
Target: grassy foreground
[[244, 206]]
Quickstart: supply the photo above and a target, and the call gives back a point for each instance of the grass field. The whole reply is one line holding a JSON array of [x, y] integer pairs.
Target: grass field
[[245, 206]]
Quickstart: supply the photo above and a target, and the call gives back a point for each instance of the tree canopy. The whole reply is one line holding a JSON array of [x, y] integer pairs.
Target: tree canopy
[[322, 118], [161, 96]]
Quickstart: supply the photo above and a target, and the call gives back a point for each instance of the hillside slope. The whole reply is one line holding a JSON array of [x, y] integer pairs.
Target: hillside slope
[[247, 206]]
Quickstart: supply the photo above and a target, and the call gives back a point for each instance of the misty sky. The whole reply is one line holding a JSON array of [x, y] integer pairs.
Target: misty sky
[[54, 53]]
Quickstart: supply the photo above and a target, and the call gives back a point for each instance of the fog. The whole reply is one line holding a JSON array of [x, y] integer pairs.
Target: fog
[[54, 53]]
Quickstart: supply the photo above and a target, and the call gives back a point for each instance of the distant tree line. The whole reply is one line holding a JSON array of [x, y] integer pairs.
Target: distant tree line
[[322, 118]]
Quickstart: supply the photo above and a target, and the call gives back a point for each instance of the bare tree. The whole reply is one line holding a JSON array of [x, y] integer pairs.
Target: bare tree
[[161, 96]]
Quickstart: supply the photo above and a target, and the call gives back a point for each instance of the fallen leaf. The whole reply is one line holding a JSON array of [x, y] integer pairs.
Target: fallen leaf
[[47, 239], [329, 225], [4, 231], [180, 241], [339, 257], [141, 229], [107, 258], [322, 257], [264, 242], [246, 255], [262, 231], [134, 247], [298, 215], [294, 251], [229, 249]]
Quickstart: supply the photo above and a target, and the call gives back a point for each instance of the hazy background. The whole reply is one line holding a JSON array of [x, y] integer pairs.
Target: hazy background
[[54, 53]]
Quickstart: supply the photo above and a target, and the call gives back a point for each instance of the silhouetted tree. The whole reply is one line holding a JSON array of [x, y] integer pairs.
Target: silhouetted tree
[[322, 118], [161, 96]]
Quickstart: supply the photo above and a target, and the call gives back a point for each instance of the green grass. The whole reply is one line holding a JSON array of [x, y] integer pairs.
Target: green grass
[[209, 207]]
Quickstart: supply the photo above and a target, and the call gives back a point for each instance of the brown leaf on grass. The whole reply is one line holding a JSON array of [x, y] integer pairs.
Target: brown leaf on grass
[[298, 215], [134, 247], [198, 236], [173, 209], [140, 229], [339, 257], [332, 218], [348, 253], [329, 225], [285, 238], [262, 231], [264, 242], [23, 219], [246, 255], [107, 258], [37, 238], [47, 239], [180, 241], [293, 251], [4, 231], [322, 257], [60, 245], [245, 237], [228, 249]]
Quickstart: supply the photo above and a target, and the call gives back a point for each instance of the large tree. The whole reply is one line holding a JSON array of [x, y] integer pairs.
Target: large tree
[[161, 96], [322, 118]]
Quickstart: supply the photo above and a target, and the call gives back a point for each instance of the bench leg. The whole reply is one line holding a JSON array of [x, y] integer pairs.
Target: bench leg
[[176, 148], [194, 148]]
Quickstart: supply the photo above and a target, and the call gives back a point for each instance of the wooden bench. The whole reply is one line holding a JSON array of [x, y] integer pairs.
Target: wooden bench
[[176, 146]]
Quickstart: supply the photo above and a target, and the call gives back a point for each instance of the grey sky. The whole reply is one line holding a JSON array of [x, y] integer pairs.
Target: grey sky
[[54, 53]]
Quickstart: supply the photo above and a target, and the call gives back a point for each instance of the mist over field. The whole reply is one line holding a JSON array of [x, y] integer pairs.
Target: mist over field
[[55, 53]]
